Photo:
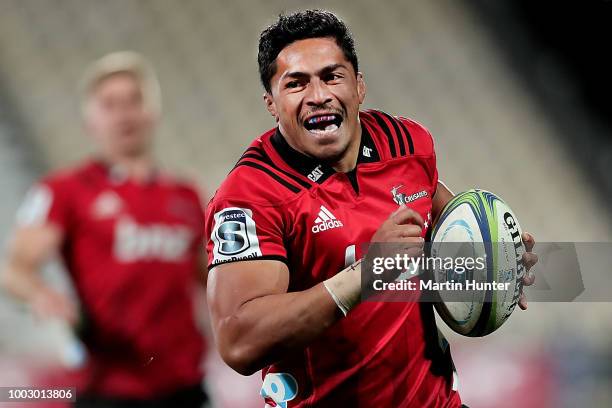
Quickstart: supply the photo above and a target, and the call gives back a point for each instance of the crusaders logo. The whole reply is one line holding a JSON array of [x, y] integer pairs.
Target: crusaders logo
[[401, 198]]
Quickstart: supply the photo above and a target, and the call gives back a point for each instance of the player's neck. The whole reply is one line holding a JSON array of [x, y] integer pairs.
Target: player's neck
[[134, 167]]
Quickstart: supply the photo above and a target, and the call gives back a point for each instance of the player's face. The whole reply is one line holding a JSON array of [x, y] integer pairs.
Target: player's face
[[315, 98], [117, 116]]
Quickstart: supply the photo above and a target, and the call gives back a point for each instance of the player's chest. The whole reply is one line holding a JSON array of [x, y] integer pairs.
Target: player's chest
[[138, 223], [335, 219]]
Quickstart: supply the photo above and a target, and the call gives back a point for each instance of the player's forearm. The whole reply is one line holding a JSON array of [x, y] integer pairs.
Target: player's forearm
[[29, 249], [268, 328], [21, 279]]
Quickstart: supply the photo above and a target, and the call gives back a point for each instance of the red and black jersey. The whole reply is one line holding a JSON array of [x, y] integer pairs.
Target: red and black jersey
[[132, 252], [280, 204]]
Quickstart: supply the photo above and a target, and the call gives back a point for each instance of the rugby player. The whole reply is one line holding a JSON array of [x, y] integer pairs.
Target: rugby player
[[287, 227], [131, 239]]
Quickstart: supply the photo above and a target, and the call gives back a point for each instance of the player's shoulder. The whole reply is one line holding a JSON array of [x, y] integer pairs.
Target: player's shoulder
[[259, 179], [60, 186], [69, 176], [421, 136], [400, 135]]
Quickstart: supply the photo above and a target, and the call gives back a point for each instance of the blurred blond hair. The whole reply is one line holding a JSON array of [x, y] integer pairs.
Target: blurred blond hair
[[119, 62]]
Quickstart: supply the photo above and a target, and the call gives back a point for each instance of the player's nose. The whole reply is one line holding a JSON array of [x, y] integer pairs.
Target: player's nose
[[318, 94]]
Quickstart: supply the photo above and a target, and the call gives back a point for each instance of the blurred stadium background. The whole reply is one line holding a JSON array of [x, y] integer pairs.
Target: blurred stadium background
[[514, 92]]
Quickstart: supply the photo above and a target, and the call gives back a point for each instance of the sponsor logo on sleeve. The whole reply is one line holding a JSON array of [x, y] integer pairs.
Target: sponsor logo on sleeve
[[234, 235]]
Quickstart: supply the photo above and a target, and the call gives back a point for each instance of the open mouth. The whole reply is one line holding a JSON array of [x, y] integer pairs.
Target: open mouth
[[323, 123]]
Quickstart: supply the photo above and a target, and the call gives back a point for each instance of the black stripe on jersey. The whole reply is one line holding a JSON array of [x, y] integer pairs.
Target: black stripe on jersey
[[400, 139], [386, 131], [250, 153], [252, 149], [251, 156], [275, 176], [293, 177], [261, 155], [408, 136]]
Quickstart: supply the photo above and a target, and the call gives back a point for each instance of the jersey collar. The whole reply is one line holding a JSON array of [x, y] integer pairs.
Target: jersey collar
[[314, 169], [118, 175]]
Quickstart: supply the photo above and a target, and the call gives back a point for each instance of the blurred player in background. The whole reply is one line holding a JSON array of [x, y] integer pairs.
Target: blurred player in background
[[131, 239], [287, 228]]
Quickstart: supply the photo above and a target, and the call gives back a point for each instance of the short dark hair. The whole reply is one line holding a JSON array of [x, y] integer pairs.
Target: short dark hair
[[300, 26]]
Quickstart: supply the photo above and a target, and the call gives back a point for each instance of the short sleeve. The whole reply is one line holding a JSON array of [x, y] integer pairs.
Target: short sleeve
[[45, 202], [424, 146], [239, 232]]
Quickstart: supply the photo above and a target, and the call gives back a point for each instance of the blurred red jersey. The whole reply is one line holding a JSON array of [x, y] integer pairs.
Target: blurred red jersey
[[132, 252], [280, 204]]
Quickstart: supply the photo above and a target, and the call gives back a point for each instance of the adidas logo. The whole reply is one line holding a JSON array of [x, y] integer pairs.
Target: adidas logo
[[325, 221]]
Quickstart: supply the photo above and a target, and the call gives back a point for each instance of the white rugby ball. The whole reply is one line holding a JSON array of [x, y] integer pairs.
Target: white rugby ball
[[475, 224]]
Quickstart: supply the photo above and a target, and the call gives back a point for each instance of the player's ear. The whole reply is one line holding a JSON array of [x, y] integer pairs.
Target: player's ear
[[361, 87], [270, 105]]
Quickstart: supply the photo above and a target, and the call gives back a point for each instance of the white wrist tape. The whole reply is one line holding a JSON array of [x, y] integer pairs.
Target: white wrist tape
[[345, 287]]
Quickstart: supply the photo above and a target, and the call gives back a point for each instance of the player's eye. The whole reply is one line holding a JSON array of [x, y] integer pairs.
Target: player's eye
[[332, 76], [293, 84]]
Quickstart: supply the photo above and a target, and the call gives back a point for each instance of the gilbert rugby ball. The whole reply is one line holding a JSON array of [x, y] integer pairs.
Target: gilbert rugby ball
[[477, 223]]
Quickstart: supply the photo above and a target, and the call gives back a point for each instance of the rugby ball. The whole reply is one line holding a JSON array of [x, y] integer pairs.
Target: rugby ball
[[477, 224]]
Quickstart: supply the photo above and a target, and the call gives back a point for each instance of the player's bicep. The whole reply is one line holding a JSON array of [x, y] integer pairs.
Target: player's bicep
[[31, 246], [232, 285]]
